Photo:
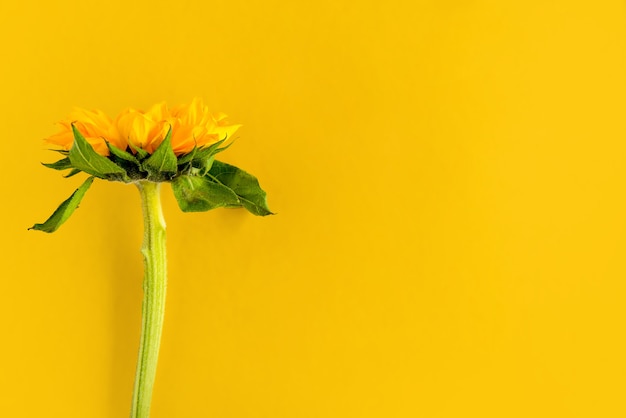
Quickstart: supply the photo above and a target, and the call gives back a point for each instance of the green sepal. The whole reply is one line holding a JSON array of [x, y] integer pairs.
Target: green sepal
[[65, 209], [162, 164], [202, 157], [224, 148], [142, 154], [62, 164], [200, 194], [206, 164], [61, 151], [85, 158], [245, 185], [127, 161], [206, 152], [185, 158], [72, 173], [121, 154]]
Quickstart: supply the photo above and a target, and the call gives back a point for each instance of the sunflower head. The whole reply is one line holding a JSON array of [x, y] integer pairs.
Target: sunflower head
[[193, 126]]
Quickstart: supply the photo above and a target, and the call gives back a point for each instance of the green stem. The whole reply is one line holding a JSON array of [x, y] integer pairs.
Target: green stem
[[154, 287]]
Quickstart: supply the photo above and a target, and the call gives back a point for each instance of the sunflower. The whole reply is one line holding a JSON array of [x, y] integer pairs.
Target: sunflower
[[176, 146]]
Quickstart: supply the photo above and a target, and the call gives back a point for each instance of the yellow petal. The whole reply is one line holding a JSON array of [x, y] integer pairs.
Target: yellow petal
[[227, 131], [159, 112], [134, 127]]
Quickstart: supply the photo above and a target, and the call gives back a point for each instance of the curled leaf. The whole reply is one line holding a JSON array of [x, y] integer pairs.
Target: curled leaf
[[65, 209], [245, 186]]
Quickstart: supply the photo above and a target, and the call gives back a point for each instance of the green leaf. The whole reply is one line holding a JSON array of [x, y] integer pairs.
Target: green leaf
[[62, 164], [162, 164], [245, 185], [199, 194], [85, 158], [65, 209]]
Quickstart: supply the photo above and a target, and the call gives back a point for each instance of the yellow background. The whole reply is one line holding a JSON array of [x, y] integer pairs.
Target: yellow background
[[450, 182]]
